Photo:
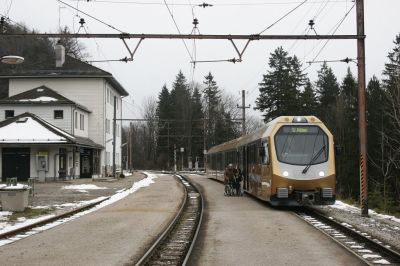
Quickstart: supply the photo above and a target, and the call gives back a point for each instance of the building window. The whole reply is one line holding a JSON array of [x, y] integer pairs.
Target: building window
[[82, 122], [76, 120], [9, 113], [107, 126], [58, 114]]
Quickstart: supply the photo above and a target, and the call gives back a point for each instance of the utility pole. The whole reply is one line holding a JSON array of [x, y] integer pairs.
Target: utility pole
[[361, 108], [168, 147], [174, 158], [204, 145], [114, 131], [130, 146], [243, 107]]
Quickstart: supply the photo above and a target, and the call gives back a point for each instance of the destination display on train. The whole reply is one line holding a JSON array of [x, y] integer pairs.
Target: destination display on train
[[299, 130]]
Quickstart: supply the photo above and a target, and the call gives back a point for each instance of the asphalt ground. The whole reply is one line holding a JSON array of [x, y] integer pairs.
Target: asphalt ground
[[244, 231], [53, 194], [114, 235]]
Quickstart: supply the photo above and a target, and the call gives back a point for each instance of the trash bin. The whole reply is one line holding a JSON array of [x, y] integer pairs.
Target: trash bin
[[14, 198]]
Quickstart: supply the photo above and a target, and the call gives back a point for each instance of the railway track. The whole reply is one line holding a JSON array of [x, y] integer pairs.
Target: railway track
[[25, 231], [174, 246], [368, 249]]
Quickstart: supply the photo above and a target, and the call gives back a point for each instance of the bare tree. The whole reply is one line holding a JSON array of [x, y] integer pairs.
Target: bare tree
[[149, 112], [392, 138]]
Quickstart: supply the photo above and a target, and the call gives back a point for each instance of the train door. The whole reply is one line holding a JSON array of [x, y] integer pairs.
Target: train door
[[246, 166]]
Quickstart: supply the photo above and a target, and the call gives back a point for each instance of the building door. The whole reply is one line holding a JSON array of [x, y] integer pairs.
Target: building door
[[86, 163], [16, 162], [62, 163]]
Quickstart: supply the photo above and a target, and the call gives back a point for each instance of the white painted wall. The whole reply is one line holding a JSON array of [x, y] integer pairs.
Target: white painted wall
[[76, 130], [45, 112], [85, 91], [91, 93]]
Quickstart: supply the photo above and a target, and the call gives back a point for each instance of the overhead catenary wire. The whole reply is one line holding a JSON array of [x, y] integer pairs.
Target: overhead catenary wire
[[345, 60], [284, 16], [85, 13], [177, 28], [320, 41], [327, 41], [275, 2]]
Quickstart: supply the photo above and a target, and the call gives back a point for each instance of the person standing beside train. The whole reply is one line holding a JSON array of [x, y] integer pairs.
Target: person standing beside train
[[238, 180], [228, 178]]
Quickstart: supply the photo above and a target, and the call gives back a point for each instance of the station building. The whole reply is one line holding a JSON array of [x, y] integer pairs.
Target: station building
[[57, 121]]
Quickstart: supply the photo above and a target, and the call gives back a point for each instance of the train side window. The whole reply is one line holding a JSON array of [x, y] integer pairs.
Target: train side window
[[263, 152]]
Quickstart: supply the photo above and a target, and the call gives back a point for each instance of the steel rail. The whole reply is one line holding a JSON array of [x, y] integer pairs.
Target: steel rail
[[196, 234], [50, 220], [151, 253], [187, 36], [387, 253]]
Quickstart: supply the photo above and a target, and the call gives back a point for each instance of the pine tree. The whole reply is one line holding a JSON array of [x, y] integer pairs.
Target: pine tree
[[212, 100], [181, 113], [391, 83], [308, 100], [392, 69], [280, 87], [197, 125], [164, 150], [327, 89], [347, 137]]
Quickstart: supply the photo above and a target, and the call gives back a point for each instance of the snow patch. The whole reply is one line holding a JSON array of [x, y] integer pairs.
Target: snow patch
[[350, 208], [371, 256], [40, 99], [382, 261], [16, 187], [114, 198], [30, 131], [83, 187]]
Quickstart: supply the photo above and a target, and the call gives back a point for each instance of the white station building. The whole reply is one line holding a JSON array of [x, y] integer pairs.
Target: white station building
[[57, 121]]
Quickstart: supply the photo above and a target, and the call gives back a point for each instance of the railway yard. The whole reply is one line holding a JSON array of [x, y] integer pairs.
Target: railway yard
[[136, 223]]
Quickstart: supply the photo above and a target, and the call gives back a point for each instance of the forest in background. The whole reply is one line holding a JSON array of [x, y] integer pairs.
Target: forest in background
[[193, 116], [188, 114]]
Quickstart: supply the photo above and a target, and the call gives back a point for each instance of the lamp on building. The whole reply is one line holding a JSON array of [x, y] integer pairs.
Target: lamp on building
[[12, 59]]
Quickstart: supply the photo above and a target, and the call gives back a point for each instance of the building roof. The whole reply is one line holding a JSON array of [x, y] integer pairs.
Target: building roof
[[28, 128], [41, 95], [72, 68]]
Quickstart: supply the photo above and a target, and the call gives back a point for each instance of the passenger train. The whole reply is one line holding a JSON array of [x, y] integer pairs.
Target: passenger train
[[288, 162]]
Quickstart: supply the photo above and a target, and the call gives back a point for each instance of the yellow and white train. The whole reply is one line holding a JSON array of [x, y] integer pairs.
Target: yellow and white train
[[288, 162]]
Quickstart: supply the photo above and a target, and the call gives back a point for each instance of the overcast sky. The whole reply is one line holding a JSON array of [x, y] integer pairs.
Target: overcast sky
[[158, 61]]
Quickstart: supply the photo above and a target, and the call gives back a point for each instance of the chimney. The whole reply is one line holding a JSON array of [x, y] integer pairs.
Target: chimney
[[60, 54]]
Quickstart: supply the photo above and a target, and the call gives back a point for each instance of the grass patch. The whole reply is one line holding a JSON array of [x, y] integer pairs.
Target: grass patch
[[29, 213]]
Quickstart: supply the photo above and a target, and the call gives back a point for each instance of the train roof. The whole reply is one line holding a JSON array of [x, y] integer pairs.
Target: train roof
[[261, 132]]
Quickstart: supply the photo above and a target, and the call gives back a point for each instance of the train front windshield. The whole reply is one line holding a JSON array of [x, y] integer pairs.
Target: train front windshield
[[301, 145]]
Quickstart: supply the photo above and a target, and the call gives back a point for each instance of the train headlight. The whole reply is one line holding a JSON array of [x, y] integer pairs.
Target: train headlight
[[285, 173], [321, 173], [299, 119]]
